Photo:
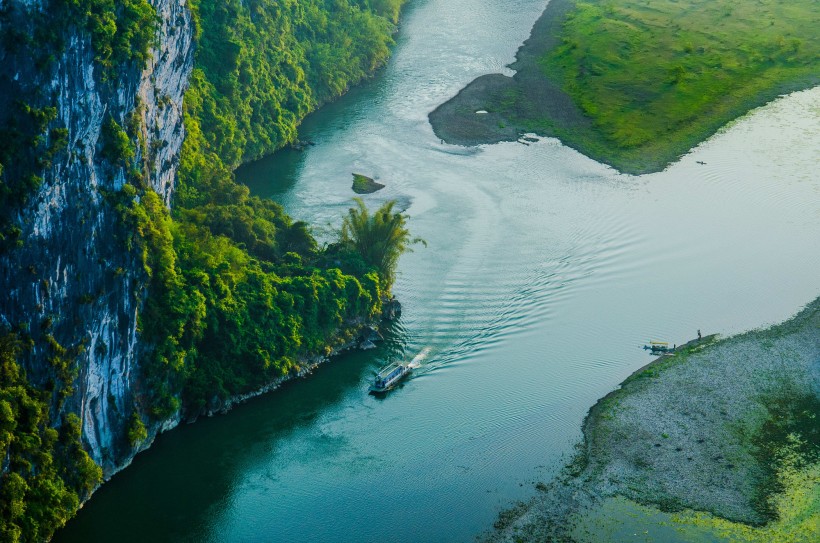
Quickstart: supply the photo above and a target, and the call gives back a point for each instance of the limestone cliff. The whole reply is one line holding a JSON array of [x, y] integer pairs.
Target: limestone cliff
[[71, 282]]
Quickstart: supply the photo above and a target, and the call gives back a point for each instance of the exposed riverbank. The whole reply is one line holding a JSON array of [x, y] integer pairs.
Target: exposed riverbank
[[727, 428], [495, 95], [634, 86]]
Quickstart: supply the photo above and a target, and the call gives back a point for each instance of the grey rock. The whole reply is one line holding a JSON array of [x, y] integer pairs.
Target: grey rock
[[391, 309], [68, 229]]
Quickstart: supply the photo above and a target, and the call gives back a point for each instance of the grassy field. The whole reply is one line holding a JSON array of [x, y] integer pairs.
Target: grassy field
[[638, 83], [656, 77]]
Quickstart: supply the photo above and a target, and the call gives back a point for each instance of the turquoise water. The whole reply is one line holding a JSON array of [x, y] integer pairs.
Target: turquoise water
[[545, 273]]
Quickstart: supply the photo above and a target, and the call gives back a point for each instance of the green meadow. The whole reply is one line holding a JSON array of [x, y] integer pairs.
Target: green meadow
[[656, 77]]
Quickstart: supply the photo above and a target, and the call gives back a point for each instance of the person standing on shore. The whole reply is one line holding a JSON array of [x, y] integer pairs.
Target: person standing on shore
[[699, 336]]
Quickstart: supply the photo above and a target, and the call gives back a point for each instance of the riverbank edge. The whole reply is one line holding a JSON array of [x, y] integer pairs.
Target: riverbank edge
[[457, 120], [557, 115], [353, 336], [554, 512]]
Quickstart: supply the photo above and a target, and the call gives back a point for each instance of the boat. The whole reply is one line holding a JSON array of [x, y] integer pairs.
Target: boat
[[389, 376], [658, 347]]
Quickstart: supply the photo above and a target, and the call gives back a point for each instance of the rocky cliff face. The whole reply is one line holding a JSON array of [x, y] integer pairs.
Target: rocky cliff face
[[72, 282]]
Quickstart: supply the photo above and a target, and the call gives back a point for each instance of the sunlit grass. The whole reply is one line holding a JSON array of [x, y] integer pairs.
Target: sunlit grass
[[658, 76]]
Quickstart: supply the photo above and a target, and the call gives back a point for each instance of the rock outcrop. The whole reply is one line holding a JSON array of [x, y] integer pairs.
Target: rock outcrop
[[391, 309]]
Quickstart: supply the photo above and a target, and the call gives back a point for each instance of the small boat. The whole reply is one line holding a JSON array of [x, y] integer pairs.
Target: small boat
[[658, 347], [389, 376]]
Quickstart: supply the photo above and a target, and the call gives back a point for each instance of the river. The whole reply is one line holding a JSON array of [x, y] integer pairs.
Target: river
[[545, 273]]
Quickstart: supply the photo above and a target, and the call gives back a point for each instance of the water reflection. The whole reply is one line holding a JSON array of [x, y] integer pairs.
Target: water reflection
[[204, 464], [277, 176]]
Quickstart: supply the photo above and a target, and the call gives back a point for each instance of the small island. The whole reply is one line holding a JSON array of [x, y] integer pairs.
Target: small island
[[365, 185], [636, 85]]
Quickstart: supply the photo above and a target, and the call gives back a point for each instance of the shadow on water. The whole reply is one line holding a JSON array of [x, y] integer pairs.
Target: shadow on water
[[274, 175], [200, 466]]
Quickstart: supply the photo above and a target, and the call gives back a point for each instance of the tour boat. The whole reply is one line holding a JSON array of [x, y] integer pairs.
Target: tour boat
[[389, 376]]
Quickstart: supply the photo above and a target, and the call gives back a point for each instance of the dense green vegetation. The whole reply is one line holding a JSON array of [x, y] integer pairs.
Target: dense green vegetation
[[263, 65], [45, 472], [380, 238], [239, 293], [662, 75], [637, 84], [121, 31]]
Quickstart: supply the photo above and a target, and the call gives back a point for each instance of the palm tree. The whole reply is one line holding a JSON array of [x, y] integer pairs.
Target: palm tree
[[380, 239]]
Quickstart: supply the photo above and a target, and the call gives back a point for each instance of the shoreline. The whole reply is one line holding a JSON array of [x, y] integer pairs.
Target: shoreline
[[358, 336], [456, 122], [534, 101], [685, 445]]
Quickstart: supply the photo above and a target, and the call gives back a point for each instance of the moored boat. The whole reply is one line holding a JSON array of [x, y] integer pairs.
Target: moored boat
[[658, 347]]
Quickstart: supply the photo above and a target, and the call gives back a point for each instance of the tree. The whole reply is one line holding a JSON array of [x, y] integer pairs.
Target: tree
[[380, 239]]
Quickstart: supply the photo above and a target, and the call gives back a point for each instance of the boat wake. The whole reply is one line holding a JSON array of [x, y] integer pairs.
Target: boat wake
[[419, 358]]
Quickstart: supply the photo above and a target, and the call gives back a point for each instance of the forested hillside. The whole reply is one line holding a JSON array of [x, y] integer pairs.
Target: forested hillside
[[262, 65], [260, 68], [127, 315]]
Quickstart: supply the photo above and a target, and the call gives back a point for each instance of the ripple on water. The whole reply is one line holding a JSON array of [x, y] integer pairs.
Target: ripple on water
[[486, 306]]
